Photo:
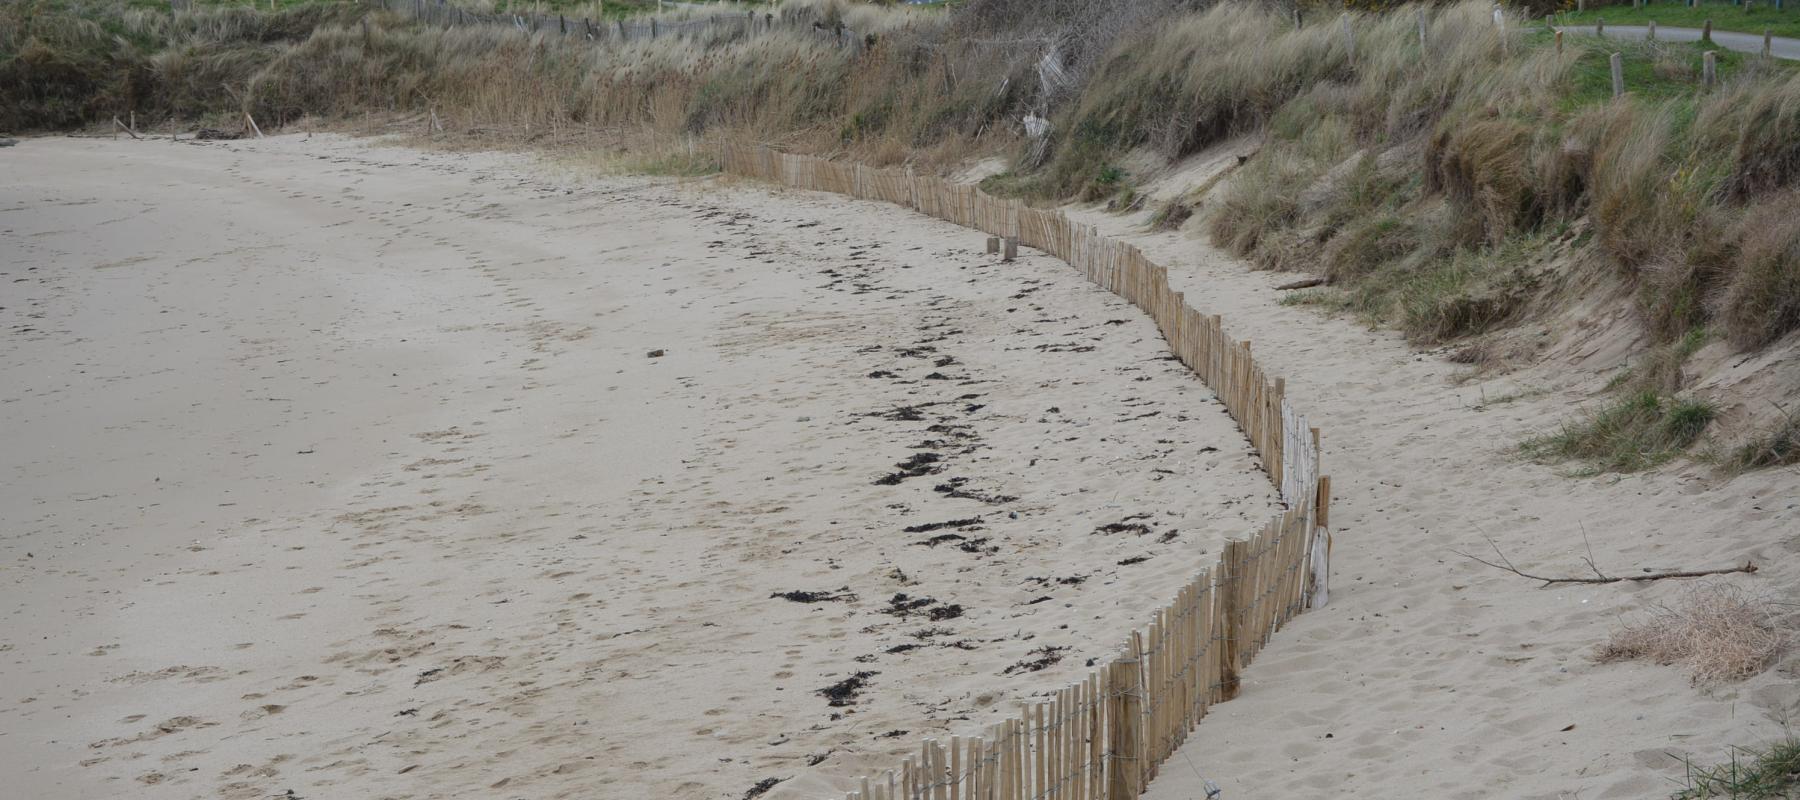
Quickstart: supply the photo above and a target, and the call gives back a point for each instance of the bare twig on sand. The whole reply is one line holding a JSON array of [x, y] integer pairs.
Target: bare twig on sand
[[1505, 564], [1306, 283]]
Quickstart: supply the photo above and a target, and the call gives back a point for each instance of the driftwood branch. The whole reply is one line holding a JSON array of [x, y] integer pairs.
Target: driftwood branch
[[1307, 283], [1505, 564]]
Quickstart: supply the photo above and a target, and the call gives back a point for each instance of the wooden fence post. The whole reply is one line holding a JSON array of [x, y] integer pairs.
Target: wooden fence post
[[1709, 70], [1012, 249], [1618, 74], [993, 245], [1420, 15], [1706, 32], [1650, 33], [1768, 42], [1559, 42], [1349, 39], [1600, 27]]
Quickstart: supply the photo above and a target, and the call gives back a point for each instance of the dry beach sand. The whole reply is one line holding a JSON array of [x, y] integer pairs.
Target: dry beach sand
[[352, 471]]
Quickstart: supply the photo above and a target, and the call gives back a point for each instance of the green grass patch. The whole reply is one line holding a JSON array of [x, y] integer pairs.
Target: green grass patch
[[1639, 431], [1725, 17], [1769, 774]]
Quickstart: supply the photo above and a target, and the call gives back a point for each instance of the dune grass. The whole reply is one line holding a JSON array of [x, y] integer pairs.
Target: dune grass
[[1639, 431], [1770, 773]]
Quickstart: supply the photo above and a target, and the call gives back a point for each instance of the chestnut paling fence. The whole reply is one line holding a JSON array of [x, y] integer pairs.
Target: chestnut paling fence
[[1105, 737]]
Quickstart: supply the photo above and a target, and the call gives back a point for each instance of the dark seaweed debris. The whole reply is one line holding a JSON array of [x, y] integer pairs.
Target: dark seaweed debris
[[914, 466], [1138, 528], [953, 488], [942, 613], [762, 787], [843, 693], [933, 526], [900, 605], [801, 596], [1134, 560], [941, 538], [1045, 657]]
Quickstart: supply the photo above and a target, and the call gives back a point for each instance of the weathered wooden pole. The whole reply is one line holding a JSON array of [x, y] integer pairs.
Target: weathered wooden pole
[[1559, 42], [1768, 43], [1651, 35], [1419, 15], [1349, 39], [1706, 32], [1600, 27], [1012, 249], [1709, 70], [1618, 74], [993, 245]]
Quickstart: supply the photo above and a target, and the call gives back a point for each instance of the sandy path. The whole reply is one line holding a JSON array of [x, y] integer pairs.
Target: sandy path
[[344, 471], [1429, 676]]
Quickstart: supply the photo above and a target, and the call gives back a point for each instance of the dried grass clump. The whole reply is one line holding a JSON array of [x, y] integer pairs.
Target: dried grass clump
[[1761, 301], [1718, 632]]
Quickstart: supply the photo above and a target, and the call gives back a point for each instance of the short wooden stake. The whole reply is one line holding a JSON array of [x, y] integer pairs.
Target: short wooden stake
[[1651, 33], [1559, 42], [1709, 69], [1618, 74], [120, 126], [1706, 32], [253, 126], [1419, 17], [1012, 249], [1768, 42], [1600, 27], [993, 245]]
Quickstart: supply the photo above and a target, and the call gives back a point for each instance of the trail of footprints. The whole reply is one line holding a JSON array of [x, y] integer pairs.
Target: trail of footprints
[[1004, 440]]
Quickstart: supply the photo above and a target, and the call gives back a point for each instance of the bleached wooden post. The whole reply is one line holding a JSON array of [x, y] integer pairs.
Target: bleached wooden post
[[1580, 6], [993, 245], [1012, 249], [1651, 33], [1618, 74], [1706, 32], [1768, 43], [1349, 39], [1420, 18], [1600, 27], [1500, 27], [1559, 42], [1709, 70]]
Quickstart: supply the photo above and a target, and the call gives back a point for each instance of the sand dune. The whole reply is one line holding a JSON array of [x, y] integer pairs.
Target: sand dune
[[1429, 675], [358, 471]]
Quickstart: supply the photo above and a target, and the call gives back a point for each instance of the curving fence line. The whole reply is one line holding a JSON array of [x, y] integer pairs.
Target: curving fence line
[[1105, 737]]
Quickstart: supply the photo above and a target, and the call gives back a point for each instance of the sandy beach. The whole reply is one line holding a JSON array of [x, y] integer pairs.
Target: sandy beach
[[344, 470]]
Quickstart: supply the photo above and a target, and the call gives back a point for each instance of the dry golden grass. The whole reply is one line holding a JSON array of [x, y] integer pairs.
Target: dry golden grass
[[1718, 632]]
